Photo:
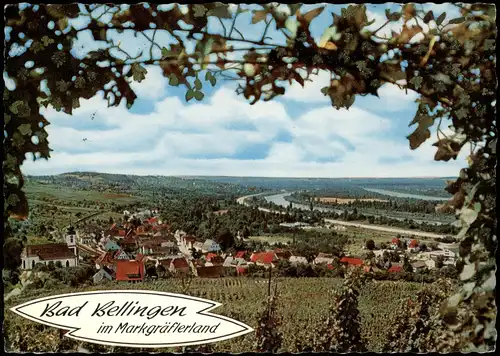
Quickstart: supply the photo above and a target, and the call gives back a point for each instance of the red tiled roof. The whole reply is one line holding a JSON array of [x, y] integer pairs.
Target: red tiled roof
[[189, 238], [395, 269], [240, 254], [263, 257], [152, 220], [413, 243], [351, 261], [166, 262], [106, 258], [329, 266], [241, 270], [395, 241], [122, 232], [209, 256], [180, 263], [129, 270]]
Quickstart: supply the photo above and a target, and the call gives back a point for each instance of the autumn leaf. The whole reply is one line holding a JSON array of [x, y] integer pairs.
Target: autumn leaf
[[422, 133], [429, 16], [447, 149], [258, 16], [311, 15]]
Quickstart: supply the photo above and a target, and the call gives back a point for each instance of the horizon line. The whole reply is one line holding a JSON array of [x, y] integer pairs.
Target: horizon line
[[231, 176]]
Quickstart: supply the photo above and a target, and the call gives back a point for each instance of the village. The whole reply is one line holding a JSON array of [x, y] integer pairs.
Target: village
[[143, 247]]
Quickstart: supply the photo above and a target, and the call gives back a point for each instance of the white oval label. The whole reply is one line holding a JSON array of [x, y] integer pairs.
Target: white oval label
[[133, 318]]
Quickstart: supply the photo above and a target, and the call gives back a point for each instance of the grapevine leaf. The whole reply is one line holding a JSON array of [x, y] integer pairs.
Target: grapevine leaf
[[441, 18], [173, 80], [457, 21], [311, 15], [189, 94], [198, 95], [258, 16], [24, 129], [139, 72], [197, 84], [429, 16]]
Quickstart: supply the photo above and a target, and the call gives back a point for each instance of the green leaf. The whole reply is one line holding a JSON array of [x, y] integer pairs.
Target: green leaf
[[457, 20], [293, 8], [165, 53], [489, 44], [441, 18], [139, 72], [189, 94], [24, 129], [197, 84], [417, 82], [20, 108], [468, 216], [324, 90], [211, 78], [221, 11], [199, 10], [173, 80], [198, 95], [13, 199]]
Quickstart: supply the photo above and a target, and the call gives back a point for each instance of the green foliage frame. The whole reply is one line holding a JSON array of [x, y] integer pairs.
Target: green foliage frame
[[452, 68]]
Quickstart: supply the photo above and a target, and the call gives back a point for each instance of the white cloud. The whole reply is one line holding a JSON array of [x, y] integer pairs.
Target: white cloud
[[166, 140], [153, 87], [311, 92]]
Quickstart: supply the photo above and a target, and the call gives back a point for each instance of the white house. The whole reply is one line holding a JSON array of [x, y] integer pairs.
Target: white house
[[210, 246], [323, 258], [297, 260]]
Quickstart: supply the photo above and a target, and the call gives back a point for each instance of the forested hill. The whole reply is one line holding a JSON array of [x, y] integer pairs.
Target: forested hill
[[429, 186], [140, 184]]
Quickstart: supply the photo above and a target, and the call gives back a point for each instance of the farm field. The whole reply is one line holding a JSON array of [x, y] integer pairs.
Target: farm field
[[303, 302], [359, 235], [272, 239], [35, 191], [347, 200]]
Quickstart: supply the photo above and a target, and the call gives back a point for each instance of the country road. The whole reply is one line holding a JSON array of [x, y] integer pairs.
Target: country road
[[394, 230]]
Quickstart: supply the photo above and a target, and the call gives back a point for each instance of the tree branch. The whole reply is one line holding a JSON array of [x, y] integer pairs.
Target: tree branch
[[234, 20]]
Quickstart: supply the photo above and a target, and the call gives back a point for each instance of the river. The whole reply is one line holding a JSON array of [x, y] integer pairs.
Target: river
[[392, 193], [279, 199]]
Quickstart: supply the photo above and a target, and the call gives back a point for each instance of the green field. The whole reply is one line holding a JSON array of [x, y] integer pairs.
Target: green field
[[36, 191], [271, 239], [303, 302]]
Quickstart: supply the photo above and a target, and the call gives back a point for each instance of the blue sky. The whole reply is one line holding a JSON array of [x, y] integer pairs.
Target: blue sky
[[298, 135]]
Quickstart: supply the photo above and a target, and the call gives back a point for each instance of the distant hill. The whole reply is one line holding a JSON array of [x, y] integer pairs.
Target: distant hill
[[224, 185], [141, 185]]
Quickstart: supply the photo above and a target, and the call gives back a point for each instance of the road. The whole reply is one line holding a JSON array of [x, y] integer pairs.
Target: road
[[393, 230]]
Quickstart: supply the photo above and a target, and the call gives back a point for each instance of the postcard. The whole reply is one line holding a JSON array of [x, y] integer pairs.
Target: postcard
[[249, 177]]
